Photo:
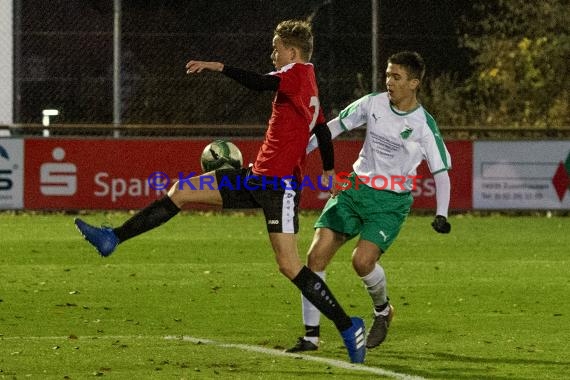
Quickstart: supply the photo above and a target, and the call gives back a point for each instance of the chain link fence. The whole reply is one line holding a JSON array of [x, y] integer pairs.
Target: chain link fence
[[63, 55]]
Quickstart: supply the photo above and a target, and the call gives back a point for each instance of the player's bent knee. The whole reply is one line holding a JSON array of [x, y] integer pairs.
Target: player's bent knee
[[363, 264]]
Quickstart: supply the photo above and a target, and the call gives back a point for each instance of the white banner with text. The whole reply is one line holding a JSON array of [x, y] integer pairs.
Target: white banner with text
[[521, 175]]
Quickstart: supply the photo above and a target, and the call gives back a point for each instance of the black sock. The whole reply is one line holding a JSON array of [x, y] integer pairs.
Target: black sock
[[317, 292], [313, 331], [379, 308], [152, 216]]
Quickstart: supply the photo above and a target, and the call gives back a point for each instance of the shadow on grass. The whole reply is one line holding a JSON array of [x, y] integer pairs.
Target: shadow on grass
[[448, 370]]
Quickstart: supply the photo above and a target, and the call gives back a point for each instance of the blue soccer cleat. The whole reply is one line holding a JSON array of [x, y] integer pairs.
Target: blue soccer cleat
[[355, 341], [102, 238]]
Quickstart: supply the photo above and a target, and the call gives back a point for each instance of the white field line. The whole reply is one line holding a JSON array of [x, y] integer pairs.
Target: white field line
[[242, 347], [274, 352]]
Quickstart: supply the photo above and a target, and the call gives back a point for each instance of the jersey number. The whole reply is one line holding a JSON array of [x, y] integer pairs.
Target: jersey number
[[314, 103]]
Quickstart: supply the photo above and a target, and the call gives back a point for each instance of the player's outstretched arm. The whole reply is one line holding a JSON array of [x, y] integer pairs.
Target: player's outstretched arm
[[194, 67], [249, 79], [442, 195]]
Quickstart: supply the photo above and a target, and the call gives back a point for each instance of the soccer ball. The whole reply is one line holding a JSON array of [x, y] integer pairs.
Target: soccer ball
[[220, 154]]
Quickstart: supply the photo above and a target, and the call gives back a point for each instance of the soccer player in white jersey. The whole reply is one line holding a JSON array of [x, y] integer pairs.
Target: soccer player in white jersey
[[377, 198]]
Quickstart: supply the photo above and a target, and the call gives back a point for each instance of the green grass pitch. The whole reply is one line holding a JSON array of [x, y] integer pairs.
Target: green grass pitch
[[489, 301]]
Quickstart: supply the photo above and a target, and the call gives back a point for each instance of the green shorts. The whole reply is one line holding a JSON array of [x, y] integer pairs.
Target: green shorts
[[377, 215]]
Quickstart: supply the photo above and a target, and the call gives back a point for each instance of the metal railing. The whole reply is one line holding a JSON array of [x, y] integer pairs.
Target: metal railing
[[257, 130]]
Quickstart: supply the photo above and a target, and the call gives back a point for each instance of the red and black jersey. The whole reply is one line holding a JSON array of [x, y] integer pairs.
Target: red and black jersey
[[296, 110]]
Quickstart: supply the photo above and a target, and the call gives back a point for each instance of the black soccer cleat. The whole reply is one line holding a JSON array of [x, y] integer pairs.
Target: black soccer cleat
[[379, 329], [303, 345]]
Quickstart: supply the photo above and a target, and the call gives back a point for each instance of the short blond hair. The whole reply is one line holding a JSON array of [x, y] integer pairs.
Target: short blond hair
[[298, 34]]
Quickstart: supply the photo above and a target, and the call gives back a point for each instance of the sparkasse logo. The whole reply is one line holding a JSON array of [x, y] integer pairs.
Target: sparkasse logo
[[58, 178]]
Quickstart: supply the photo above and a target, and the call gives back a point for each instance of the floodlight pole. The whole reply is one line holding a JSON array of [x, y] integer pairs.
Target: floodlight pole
[[116, 66], [374, 34]]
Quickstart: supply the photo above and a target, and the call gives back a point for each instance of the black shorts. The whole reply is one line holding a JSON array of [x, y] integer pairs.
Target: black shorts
[[278, 197]]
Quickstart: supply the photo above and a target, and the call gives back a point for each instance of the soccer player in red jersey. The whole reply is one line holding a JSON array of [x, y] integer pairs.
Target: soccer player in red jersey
[[272, 184]]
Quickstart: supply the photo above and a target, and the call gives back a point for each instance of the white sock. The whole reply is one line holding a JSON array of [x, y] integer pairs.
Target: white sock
[[311, 315], [384, 312], [312, 339], [375, 283]]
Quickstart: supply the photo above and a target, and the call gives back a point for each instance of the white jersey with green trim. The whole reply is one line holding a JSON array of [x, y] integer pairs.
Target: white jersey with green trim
[[395, 144]]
